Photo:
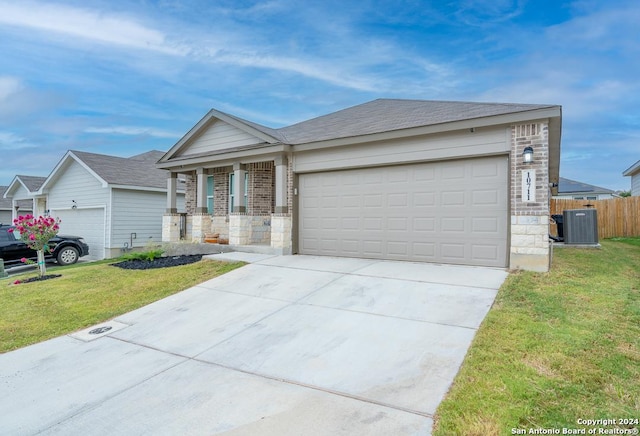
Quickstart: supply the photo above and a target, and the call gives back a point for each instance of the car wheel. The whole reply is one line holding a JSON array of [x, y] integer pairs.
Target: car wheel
[[67, 256]]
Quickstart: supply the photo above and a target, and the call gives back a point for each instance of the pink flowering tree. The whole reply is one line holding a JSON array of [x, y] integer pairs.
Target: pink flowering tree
[[36, 233]]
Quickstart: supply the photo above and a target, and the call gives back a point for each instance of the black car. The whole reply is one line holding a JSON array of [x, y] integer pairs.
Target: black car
[[66, 250]]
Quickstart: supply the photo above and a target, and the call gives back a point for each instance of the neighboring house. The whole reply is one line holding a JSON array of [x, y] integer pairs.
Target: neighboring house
[[572, 190], [412, 180], [634, 172], [23, 192], [112, 202], [7, 207]]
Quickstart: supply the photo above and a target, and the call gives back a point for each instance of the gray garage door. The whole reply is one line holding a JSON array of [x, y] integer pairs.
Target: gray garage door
[[446, 212]]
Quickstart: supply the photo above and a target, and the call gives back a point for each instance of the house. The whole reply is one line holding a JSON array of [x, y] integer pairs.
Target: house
[[427, 181], [114, 203], [7, 207], [24, 196], [572, 190], [634, 172]]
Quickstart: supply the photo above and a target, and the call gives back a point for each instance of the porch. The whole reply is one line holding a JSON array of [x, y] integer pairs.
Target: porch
[[246, 204]]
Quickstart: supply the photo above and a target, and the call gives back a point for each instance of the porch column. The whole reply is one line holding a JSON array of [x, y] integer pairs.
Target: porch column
[[281, 184], [172, 186], [239, 171], [201, 191]]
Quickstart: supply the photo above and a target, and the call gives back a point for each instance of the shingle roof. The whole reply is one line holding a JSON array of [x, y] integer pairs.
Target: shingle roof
[[385, 115], [139, 170], [568, 186], [5, 203], [32, 183]]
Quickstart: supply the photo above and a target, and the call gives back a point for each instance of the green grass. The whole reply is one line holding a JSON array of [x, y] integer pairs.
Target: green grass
[[88, 294], [555, 347]]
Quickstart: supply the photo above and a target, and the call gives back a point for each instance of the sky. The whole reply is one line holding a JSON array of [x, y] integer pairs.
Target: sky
[[125, 77]]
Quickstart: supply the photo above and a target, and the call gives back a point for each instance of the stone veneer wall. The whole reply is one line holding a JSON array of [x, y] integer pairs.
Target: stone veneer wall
[[260, 229], [530, 221]]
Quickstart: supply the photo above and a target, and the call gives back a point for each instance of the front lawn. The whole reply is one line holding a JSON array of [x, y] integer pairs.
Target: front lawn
[[555, 348], [88, 294]]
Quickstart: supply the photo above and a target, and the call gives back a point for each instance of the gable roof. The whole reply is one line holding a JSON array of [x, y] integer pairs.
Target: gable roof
[[30, 183], [380, 119], [7, 204], [138, 171], [567, 186], [633, 169]]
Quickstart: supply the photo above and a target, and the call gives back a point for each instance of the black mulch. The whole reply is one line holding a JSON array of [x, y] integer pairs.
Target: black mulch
[[160, 262], [37, 279]]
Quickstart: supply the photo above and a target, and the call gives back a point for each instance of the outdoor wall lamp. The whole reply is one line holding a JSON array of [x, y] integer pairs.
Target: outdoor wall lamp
[[527, 155]]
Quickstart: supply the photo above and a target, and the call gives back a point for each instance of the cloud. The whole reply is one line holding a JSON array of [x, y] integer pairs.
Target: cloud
[[86, 24], [9, 141], [9, 86], [132, 131]]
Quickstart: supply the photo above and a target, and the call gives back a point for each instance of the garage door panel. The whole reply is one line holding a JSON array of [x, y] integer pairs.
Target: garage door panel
[[453, 211], [87, 223]]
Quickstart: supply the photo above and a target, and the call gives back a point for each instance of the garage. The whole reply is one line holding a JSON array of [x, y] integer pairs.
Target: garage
[[82, 222], [452, 211]]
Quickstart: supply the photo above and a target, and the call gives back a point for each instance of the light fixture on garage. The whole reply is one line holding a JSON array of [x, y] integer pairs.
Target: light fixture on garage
[[527, 155], [75, 206]]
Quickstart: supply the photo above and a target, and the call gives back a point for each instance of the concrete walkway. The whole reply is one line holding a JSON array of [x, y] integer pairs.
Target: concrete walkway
[[296, 345]]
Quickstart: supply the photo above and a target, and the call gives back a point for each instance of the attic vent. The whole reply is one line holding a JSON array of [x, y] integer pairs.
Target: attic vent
[[527, 130]]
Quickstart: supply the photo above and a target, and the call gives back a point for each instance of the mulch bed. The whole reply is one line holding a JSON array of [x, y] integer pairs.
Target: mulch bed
[[160, 262], [37, 279]]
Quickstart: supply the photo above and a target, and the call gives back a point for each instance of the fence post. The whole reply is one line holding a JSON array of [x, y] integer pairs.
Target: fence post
[[3, 273]]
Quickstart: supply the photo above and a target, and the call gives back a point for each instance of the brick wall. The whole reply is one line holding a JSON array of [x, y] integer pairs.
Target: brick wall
[[261, 188], [190, 193], [535, 135], [221, 191]]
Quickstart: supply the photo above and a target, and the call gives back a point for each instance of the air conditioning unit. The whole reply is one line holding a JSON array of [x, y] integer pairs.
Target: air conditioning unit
[[581, 226]]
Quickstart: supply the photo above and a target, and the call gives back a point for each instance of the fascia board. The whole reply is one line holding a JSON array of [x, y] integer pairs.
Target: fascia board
[[632, 169], [141, 188], [225, 158]]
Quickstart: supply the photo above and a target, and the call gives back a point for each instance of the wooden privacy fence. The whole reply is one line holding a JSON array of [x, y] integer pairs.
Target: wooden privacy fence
[[617, 217]]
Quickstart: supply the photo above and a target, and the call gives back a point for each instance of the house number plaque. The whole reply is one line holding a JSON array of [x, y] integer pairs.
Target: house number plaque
[[529, 186]]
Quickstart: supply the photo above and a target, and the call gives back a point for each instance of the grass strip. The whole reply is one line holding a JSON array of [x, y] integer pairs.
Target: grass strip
[[555, 347]]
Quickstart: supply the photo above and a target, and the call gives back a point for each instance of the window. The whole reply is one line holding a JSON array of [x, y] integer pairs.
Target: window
[[210, 195]]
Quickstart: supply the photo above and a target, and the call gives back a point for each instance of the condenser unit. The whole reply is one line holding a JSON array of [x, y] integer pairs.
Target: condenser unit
[[580, 226]]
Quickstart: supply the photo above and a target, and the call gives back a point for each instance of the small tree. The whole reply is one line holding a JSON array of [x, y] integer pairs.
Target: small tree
[[36, 233]]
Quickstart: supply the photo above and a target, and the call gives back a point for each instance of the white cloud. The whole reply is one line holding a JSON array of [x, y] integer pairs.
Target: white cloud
[[9, 86], [10, 141], [132, 131], [86, 24]]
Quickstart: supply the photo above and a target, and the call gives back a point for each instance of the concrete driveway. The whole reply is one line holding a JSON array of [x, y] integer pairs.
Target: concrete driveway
[[286, 345]]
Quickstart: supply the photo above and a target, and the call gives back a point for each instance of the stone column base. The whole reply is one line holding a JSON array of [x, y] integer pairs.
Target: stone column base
[[239, 229], [201, 224], [170, 228], [530, 243], [281, 228]]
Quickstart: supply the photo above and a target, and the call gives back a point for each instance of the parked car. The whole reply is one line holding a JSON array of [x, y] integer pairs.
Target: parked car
[[65, 250]]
